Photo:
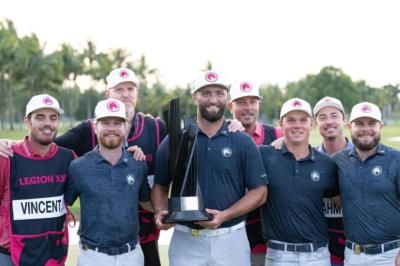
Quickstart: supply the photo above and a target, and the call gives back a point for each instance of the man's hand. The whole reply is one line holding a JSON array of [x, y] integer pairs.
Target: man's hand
[[217, 220], [277, 144], [235, 125], [137, 153], [146, 115], [159, 218], [5, 148], [397, 261]]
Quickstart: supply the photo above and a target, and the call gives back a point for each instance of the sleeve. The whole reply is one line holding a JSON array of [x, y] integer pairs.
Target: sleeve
[[71, 192], [264, 156], [162, 129], [161, 176], [144, 192], [79, 138], [252, 165], [333, 189], [4, 175]]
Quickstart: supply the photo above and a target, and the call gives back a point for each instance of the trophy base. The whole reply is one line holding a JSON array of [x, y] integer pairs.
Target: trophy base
[[187, 216], [186, 209]]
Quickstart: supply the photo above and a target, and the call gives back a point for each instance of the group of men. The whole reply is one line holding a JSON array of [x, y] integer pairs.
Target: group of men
[[111, 191], [298, 188]]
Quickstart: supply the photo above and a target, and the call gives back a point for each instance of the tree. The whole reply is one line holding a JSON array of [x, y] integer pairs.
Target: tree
[[271, 103], [330, 81], [8, 53], [87, 102]]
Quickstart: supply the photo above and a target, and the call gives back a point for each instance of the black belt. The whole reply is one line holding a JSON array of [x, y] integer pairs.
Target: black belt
[[304, 247], [112, 251], [372, 248]]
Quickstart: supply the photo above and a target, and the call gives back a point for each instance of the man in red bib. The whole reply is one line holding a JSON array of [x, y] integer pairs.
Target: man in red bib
[[33, 227]]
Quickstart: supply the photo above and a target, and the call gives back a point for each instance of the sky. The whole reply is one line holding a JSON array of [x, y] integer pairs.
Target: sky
[[264, 41]]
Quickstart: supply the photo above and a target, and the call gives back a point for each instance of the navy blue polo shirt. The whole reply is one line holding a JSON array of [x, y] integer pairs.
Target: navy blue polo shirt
[[109, 196], [228, 163], [370, 191], [293, 211]]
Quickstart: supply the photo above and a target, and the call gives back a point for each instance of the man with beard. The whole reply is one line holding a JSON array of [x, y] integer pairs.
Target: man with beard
[[369, 178], [228, 165], [330, 120], [143, 131], [299, 177], [110, 184], [244, 104], [33, 222]]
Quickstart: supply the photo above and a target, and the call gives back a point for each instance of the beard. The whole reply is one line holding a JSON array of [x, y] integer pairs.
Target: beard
[[213, 115], [45, 141], [363, 146], [110, 142]]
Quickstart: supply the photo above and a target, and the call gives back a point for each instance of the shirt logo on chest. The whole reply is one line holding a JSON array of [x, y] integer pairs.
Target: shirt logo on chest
[[315, 176], [226, 152], [377, 170], [130, 179]]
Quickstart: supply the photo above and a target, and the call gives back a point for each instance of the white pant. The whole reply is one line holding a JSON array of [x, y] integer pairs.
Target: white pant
[[382, 259], [93, 258], [320, 257], [223, 250]]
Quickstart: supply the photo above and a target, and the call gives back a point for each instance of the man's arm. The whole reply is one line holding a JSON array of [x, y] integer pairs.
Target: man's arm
[[254, 198], [254, 179], [146, 205], [4, 175], [80, 138], [159, 199], [71, 192]]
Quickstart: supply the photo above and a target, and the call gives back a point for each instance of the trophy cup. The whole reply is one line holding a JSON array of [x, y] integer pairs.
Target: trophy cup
[[185, 203]]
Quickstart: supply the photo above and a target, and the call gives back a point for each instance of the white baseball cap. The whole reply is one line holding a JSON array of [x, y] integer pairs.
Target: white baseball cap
[[43, 101], [120, 75], [243, 89], [209, 78], [295, 104], [365, 109], [110, 108], [328, 102]]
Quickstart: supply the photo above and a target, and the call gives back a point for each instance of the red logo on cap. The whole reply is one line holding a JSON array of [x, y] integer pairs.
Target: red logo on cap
[[113, 106], [246, 86], [211, 76], [47, 101], [327, 99], [124, 74], [366, 108], [296, 104]]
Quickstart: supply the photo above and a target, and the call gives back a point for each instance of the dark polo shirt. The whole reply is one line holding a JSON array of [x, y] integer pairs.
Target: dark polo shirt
[[228, 163], [109, 196], [293, 211], [370, 192]]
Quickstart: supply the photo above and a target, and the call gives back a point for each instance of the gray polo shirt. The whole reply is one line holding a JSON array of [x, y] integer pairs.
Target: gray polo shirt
[[293, 211], [109, 196], [370, 192]]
